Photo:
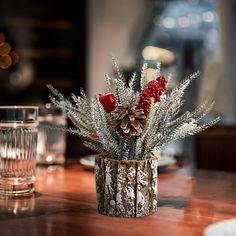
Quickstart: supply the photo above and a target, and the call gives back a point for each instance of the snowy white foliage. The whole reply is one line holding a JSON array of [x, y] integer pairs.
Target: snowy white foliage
[[165, 122]]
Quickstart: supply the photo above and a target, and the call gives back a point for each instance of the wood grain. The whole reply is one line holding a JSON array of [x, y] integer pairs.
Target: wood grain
[[65, 204]]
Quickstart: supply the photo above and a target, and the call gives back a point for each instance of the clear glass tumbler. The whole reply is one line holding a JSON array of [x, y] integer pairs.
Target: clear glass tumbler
[[51, 136], [18, 143]]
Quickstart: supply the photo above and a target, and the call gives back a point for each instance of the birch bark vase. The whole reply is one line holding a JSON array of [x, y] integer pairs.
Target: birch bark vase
[[126, 188]]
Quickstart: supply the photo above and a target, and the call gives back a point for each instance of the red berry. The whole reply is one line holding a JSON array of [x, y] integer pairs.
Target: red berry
[[108, 101], [93, 137]]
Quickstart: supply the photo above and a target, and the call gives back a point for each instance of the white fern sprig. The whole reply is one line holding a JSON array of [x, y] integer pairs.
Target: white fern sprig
[[83, 125], [158, 69], [120, 91], [55, 92], [174, 100], [202, 110], [143, 80], [182, 119], [132, 81], [108, 83], [104, 131], [170, 76], [187, 129], [118, 70], [95, 147]]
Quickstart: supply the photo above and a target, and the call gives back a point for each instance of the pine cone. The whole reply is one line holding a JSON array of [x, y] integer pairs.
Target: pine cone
[[129, 120]]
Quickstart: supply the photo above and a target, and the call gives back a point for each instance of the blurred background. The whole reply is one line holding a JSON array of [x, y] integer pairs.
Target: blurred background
[[68, 45]]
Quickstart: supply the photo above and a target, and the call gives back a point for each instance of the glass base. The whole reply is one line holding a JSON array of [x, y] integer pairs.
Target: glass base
[[16, 187], [50, 159]]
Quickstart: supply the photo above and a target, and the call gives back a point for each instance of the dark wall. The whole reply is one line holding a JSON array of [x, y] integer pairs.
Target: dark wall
[[215, 148], [49, 38]]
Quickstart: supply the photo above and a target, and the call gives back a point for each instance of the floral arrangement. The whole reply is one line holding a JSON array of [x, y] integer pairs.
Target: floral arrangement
[[126, 124]]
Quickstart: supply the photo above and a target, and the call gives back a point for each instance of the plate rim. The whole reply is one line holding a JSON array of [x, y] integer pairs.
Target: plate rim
[[82, 159], [215, 226]]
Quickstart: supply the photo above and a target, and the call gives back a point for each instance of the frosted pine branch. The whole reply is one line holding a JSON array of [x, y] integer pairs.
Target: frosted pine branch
[[108, 83], [95, 147], [118, 70], [162, 125], [202, 110], [158, 69], [132, 81], [143, 79]]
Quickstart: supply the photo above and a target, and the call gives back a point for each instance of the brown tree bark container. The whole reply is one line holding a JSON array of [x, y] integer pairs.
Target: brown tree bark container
[[126, 188]]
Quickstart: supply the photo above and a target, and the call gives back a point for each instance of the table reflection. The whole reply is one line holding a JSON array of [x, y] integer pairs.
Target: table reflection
[[21, 206]]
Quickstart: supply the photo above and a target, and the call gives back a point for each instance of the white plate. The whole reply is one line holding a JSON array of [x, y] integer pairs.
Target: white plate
[[88, 161], [221, 228], [165, 160]]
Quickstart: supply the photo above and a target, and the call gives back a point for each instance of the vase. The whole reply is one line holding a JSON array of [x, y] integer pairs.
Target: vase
[[126, 188]]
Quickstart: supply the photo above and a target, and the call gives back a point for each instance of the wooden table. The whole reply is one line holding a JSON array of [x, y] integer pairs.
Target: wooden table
[[65, 204]]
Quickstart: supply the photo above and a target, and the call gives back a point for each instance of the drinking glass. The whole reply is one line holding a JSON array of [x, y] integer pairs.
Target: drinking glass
[[51, 136], [18, 142]]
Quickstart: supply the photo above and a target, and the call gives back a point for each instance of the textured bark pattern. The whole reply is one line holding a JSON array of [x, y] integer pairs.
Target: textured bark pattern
[[126, 188]]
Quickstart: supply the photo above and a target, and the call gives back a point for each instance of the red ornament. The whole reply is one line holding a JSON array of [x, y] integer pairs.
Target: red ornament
[[93, 137], [108, 101], [154, 90]]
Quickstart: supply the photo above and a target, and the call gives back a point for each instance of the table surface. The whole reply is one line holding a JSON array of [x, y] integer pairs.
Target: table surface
[[65, 204]]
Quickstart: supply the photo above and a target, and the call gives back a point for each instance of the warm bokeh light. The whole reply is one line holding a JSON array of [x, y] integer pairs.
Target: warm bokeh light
[[159, 54], [5, 53]]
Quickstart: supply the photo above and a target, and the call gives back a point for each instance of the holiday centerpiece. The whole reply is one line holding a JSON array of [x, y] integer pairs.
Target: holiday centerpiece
[[124, 126]]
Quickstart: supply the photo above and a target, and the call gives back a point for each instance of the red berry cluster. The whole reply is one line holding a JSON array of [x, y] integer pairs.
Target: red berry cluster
[[154, 90]]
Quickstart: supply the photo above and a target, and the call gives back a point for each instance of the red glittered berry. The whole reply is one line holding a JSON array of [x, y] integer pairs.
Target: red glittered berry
[[108, 101], [154, 90], [93, 137]]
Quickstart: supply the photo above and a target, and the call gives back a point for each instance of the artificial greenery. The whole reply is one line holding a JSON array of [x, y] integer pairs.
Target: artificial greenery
[[165, 122]]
